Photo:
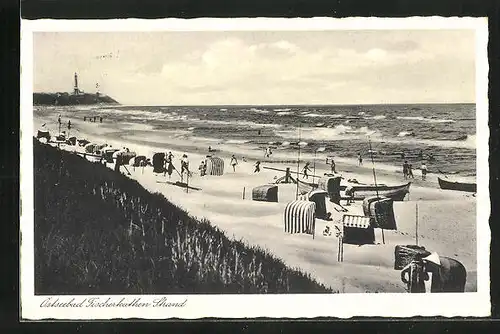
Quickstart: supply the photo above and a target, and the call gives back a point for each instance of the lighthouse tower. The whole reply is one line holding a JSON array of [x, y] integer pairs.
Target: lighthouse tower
[[76, 90]]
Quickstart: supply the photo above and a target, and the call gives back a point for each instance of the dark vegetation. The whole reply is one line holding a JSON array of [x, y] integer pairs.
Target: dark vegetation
[[63, 99], [99, 232]]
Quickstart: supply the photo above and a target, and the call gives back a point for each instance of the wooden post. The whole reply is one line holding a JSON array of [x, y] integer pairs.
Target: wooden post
[[287, 175], [314, 166], [187, 181], [243, 192], [340, 251], [298, 169], [416, 224]]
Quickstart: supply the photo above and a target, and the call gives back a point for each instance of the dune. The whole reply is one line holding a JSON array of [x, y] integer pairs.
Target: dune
[[446, 219]]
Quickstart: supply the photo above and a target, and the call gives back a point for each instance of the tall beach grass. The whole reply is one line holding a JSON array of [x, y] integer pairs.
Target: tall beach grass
[[99, 232]]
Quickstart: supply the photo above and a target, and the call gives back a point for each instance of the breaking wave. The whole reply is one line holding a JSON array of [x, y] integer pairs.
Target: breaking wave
[[323, 134], [323, 115], [406, 133], [424, 119], [283, 113], [260, 111]]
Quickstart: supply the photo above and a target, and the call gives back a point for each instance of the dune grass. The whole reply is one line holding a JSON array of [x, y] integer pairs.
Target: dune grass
[[99, 232]]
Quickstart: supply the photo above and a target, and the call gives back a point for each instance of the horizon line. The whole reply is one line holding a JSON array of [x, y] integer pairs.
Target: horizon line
[[290, 105]]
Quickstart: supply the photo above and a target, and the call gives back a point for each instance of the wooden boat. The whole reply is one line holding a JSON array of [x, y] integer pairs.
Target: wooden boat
[[460, 186], [361, 191], [397, 193]]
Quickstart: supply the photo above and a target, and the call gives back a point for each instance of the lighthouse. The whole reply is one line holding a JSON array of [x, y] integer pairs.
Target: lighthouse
[[76, 91]]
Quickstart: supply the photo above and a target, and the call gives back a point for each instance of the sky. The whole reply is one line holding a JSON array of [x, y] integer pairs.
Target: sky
[[261, 67]]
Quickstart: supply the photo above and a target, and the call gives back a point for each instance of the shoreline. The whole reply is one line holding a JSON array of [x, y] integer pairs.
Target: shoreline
[[146, 136], [226, 128]]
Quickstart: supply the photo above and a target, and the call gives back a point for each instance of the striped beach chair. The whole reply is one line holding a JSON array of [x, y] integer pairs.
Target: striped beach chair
[[299, 217], [357, 230], [215, 166]]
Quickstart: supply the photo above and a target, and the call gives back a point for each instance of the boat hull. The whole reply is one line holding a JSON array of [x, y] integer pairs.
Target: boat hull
[[396, 193], [459, 186]]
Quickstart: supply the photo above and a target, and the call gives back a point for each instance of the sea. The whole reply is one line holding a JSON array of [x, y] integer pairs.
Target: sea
[[442, 134]]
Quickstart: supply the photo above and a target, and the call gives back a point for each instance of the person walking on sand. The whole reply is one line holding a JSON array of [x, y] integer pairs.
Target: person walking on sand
[[257, 167], [234, 162], [305, 170], [360, 159], [423, 168], [405, 170]]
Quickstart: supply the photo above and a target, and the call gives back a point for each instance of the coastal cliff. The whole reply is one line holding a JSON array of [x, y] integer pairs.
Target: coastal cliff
[[71, 99]]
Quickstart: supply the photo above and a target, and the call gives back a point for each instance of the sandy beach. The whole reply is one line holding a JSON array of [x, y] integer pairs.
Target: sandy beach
[[447, 219]]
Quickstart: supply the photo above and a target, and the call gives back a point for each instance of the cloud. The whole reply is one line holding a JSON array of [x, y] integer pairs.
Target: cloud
[[260, 67]]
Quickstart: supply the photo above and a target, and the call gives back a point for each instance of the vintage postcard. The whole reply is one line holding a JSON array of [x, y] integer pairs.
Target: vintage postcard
[[243, 168]]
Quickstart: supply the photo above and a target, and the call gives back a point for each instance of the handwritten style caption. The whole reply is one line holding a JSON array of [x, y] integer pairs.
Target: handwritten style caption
[[86, 302]]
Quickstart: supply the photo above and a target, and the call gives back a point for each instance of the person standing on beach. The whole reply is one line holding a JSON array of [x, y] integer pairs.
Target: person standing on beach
[[203, 168], [169, 167], [257, 167], [184, 166], [170, 157], [267, 152], [332, 166], [305, 170], [360, 159], [405, 170], [234, 162], [423, 168], [410, 171]]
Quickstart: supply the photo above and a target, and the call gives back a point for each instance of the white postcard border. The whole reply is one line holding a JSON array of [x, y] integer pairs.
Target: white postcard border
[[251, 306]]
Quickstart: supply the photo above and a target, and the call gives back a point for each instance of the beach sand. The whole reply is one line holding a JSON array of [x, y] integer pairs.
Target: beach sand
[[447, 219]]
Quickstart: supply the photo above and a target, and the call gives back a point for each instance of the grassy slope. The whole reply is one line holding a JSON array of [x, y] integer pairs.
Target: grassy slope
[[96, 231]]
